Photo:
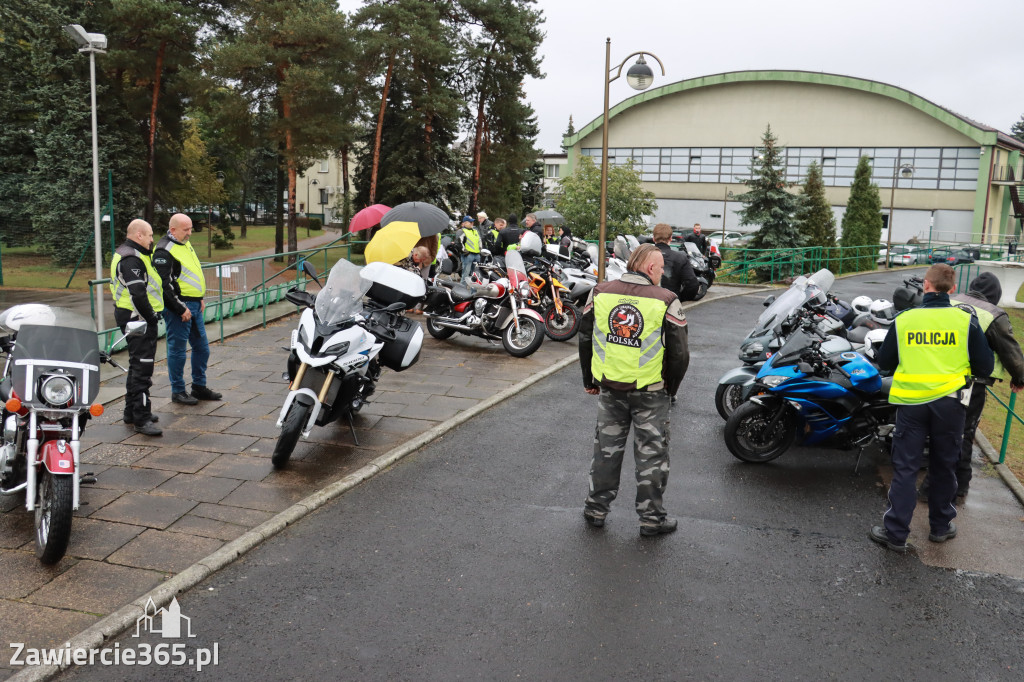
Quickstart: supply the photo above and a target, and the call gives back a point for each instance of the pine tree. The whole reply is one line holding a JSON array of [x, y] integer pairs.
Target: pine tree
[[862, 221], [766, 202], [814, 216]]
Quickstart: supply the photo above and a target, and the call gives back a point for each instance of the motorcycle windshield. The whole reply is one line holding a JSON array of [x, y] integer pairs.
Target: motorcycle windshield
[[781, 308], [52, 341], [342, 296], [515, 268], [792, 349]]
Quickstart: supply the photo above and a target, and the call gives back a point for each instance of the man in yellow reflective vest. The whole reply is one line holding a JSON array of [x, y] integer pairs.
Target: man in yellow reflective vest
[[471, 245], [983, 293], [183, 289], [136, 289], [633, 353], [935, 350]]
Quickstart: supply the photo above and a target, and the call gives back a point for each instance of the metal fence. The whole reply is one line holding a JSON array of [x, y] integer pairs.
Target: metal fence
[[247, 284]]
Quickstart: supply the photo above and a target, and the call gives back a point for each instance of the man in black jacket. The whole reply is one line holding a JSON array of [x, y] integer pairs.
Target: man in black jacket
[[982, 295], [699, 239], [678, 277], [137, 292]]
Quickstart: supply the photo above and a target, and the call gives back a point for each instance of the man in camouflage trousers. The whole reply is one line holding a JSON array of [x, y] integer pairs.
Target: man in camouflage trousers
[[633, 345]]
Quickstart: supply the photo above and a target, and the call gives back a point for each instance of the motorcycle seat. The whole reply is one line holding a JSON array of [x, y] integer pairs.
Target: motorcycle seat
[[5, 390], [886, 385]]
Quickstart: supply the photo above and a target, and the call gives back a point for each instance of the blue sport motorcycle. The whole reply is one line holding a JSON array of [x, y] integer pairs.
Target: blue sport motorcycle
[[824, 398]]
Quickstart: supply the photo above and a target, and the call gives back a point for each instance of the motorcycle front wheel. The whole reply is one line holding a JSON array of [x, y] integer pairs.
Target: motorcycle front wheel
[[702, 289], [562, 326], [53, 516], [290, 431], [747, 435], [524, 341], [727, 398], [437, 331]]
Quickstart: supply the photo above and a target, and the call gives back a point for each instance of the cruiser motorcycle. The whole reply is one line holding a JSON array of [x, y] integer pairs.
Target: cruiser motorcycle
[[341, 344], [50, 380], [493, 310]]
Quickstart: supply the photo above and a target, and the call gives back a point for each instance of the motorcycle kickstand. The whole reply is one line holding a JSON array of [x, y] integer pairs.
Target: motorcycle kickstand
[[352, 428]]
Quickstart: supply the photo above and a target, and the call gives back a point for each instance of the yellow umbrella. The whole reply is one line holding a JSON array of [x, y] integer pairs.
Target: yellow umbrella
[[393, 242]]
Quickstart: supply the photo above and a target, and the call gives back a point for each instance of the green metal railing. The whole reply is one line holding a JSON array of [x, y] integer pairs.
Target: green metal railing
[[1011, 415], [264, 293], [776, 264]]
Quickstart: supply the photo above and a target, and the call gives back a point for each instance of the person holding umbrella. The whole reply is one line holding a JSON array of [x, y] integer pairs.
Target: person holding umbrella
[[471, 244]]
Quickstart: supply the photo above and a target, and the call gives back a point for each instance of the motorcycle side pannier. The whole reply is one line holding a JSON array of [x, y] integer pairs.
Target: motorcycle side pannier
[[404, 351], [393, 285]]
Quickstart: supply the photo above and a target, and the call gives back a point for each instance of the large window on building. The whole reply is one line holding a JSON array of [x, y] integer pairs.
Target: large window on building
[[946, 168]]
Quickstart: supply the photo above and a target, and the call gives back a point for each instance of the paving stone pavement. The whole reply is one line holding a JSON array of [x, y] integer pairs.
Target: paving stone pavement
[[161, 504]]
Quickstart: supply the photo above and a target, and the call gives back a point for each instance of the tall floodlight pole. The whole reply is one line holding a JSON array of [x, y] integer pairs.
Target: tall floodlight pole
[[639, 76], [906, 170], [93, 43]]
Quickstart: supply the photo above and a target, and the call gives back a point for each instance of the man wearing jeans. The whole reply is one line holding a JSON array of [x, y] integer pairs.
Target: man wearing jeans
[[183, 288]]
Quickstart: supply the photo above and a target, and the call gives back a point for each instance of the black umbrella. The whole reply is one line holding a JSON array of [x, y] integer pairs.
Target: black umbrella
[[430, 219], [549, 217]]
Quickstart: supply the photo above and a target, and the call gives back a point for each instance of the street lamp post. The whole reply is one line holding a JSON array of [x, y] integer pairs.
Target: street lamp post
[[639, 76], [309, 202], [906, 170], [93, 43]]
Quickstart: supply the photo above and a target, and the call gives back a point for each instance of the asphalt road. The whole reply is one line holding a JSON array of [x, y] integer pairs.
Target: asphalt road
[[470, 560]]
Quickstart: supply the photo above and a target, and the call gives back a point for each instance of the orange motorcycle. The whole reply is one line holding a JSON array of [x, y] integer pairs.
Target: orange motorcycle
[[553, 300]]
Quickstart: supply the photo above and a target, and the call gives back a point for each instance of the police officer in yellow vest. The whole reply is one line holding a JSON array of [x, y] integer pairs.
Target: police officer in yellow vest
[[183, 289], [136, 289], [935, 349], [633, 353], [471, 244], [983, 293]]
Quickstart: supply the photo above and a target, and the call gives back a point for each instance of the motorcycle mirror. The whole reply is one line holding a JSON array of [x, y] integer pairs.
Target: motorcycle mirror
[[804, 368], [395, 307], [768, 301], [308, 268], [135, 328]]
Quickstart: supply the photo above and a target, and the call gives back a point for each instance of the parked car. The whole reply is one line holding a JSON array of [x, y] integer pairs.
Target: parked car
[[731, 238], [950, 256], [905, 254]]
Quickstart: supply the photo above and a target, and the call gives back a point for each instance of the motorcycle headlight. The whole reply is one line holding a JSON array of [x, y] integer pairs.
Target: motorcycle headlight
[[773, 380], [524, 289], [57, 391]]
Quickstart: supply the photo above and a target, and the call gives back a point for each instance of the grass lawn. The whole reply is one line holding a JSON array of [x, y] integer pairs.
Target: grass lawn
[[23, 268], [993, 419]]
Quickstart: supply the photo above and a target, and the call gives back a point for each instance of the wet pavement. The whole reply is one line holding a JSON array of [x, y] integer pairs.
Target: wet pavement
[[161, 504]]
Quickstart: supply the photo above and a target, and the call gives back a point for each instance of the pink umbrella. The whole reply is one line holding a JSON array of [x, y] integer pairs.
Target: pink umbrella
[[368, 217]]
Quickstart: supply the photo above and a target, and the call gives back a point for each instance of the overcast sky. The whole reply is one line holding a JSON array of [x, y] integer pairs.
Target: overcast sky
[[967, 57]]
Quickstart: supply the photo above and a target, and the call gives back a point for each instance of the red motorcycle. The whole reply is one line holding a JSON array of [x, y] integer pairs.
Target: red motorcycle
[[493, 310]]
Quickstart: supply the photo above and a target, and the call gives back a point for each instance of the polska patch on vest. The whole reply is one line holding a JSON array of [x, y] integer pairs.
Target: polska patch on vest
[[934, 337], [626, 324]]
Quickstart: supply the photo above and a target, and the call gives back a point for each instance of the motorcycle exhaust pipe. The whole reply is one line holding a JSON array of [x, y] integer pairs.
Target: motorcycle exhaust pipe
[[452, 325]]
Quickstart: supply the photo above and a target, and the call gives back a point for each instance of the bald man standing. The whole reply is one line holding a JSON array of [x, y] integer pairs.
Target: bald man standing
[[137, 291], [184, 287]]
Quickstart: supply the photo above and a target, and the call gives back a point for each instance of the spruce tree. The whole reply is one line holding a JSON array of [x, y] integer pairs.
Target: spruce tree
[[767, 203], [814, 216], [1017, 129], [569, 131], [862, 221]]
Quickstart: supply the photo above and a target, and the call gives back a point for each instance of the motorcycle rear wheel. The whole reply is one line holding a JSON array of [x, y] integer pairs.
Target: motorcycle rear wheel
[[746, 437], [290, 431], [53, 516], [437, 331], [727, 398], [562, 327], [526, 340]]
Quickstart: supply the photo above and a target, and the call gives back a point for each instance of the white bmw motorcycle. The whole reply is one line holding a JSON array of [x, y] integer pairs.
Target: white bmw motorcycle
[[342, 342]]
